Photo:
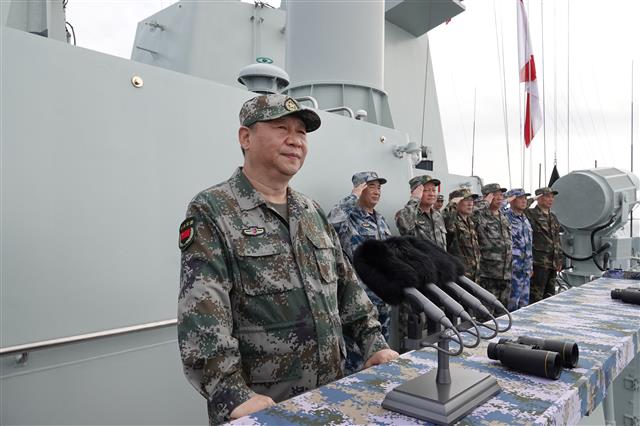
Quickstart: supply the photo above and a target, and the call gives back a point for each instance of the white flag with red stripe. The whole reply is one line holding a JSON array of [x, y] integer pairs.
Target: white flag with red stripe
[[533, 114]]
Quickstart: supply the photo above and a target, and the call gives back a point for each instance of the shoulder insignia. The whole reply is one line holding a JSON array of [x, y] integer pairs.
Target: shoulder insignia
[[187, 231], [253, 231]]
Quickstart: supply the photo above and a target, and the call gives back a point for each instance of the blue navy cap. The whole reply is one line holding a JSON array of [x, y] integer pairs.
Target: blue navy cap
[[516, 192]]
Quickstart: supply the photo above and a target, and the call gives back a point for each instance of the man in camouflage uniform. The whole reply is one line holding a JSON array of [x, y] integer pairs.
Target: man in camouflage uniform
[[265, 291], [547, 252], [462, 240], [439, 202], [356, 220], [418, 217], [494, 238], [522, 257]]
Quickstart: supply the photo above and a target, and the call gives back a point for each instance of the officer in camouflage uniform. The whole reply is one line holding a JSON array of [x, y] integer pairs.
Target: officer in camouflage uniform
[[418, 217], [522, 257], [547, 252], [462, 240], [439, 202], [356, 220], [265, 291], [494, 238]]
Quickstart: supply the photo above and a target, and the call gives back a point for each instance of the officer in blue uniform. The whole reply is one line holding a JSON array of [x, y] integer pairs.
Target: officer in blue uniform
[[356, 220]]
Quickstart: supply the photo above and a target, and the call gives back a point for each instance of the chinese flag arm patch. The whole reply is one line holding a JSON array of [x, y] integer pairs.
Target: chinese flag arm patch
[[187, 232]]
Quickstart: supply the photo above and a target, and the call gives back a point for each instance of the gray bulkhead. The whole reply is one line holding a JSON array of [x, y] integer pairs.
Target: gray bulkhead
[[96, 177]]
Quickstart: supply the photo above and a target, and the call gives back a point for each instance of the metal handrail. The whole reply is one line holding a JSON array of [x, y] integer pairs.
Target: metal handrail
[[47, 344], [311, 99], [342, 108]]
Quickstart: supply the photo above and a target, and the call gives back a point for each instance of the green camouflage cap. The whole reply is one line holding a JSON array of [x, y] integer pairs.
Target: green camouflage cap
[[270, 107], [464, 193], [492, 187], [364, 177], [546, 190], [422, 180]]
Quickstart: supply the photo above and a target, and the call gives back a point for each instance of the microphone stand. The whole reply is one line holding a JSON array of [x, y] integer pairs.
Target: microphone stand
[[445, 395]]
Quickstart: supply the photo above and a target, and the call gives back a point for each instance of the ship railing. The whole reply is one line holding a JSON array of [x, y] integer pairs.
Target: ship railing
[[348, 110], [311, 99], [23, 350]]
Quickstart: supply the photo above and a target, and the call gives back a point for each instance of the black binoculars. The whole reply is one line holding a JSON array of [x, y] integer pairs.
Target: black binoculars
[[541, 357], [627, 295], [526, 358], [568, 351]]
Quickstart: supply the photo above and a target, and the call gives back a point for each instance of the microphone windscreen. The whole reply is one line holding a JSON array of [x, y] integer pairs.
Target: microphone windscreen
[[405, 250], [448, 267], [384, 273]]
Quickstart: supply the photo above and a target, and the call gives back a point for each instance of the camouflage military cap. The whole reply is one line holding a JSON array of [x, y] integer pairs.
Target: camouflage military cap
[[517, 192], [270, 107], [440, 197], [464, 193], [492, 187], [546, 190], [364, 177], [422, 180]]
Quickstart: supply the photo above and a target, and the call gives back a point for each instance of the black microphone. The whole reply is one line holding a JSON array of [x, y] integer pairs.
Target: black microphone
[[383, 272], [428, 307], [446, 267], [466, 298], [391, 279], [480, 292], [431, 264], [447, 301]]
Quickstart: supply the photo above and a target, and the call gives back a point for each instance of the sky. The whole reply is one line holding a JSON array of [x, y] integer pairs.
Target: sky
[[581, 47]]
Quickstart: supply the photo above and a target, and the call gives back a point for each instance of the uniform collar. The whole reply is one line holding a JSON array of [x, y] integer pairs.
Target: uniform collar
[[248, 198]]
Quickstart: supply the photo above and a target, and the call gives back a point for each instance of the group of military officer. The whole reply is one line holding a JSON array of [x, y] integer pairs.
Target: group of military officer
[[502, 242], [269, 303]]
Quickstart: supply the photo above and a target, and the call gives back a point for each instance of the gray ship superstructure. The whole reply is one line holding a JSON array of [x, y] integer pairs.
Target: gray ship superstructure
[[101, 155]]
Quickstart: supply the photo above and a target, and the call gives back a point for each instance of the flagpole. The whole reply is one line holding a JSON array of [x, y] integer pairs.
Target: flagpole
[[505, 117], [473, 138], [544, 98], [631, 228], [568, 91]]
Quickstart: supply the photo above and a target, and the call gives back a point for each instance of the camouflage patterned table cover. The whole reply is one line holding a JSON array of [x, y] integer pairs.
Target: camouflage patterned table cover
[[607, 332]]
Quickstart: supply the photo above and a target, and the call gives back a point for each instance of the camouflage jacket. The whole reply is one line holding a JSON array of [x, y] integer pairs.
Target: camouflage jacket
[[354, 225], [462, 241], [494, 238], [263, 304], [547, 252], [411, 220], [521, 242]]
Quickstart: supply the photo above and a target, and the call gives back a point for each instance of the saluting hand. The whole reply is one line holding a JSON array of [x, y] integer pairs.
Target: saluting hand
[[380, 357], [455, 200], [417, 193], [510, 199], [489, 197], [357, 190], [254, 404]]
